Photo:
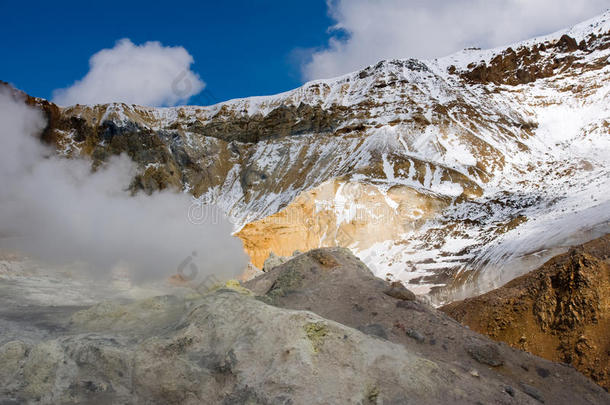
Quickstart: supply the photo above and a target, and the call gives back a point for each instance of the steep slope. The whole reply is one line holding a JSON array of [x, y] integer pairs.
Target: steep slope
[[560, 311], [230, 347], [430, 171]]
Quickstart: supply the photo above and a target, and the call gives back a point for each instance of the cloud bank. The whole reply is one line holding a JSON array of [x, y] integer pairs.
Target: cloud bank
[[57, 210], [149, 74], [371, 30]]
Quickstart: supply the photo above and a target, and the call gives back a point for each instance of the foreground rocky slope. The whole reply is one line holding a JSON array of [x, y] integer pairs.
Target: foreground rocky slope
[[560, 311], [470, 158], [348, 338]]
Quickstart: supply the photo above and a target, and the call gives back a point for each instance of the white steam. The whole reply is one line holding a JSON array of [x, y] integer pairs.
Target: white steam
[[57, 210]]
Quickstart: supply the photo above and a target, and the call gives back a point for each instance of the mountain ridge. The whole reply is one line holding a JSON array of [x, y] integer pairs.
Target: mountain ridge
[[464, 157]]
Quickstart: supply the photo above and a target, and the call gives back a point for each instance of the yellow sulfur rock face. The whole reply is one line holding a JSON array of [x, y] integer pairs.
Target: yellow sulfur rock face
[[339, 213]]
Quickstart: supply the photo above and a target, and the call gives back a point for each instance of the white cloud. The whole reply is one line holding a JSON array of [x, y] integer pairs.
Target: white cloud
[[382, 29], [148, 74]]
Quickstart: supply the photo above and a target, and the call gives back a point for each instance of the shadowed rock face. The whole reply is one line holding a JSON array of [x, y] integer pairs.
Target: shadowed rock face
[[363, 341], [560, 311]]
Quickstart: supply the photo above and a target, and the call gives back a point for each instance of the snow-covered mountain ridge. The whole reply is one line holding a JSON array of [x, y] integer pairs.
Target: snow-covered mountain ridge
[[425, 169]]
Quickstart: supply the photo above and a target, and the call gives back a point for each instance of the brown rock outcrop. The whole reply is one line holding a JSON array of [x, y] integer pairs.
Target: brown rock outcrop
[[560, 311], [529, 63]]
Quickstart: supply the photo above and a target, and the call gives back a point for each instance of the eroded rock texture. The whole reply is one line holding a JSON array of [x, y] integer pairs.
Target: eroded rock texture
[[318, 329], [560, 311]]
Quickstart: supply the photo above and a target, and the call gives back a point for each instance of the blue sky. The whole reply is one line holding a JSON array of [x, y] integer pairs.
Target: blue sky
[[245, 48], [241, 48]]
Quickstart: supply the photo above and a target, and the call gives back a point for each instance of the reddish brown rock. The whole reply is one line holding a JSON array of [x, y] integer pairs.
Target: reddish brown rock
[[528, 64], [560, 311]]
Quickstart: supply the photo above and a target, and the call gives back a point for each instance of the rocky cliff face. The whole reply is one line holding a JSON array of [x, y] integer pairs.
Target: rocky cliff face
[[560, 311], [320, 320], [468, 158]]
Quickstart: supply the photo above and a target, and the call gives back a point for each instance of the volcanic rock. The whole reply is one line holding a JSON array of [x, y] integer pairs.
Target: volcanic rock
[[560, 311]]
